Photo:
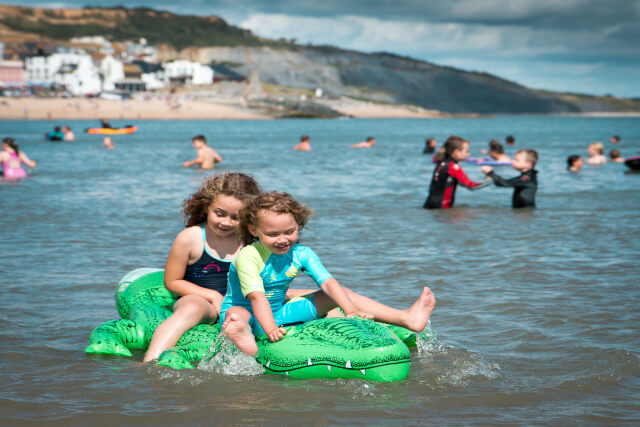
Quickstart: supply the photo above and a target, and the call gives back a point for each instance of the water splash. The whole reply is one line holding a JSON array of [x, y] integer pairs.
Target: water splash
[[463, 366], [226, 359]]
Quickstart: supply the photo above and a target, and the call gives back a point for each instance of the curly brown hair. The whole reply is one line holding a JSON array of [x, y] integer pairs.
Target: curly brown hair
[[235, 184], [280, 203]]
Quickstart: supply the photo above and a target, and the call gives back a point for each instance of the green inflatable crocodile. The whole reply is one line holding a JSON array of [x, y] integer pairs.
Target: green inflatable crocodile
[[323, 348]]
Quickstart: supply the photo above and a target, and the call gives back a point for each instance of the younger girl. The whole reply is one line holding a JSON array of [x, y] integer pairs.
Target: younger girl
[[12, 158], [260, 275], [199, 259]]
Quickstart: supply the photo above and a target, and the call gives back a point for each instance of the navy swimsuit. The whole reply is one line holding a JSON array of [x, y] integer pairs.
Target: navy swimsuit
[[209, 271]]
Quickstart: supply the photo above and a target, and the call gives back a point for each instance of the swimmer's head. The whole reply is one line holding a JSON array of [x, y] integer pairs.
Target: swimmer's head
[[614, 139], [525, 160], [614, 154], [455, 147], [10, 143], [199, 141], [510, 140], [273, 202], [496, 147], [304, 138], [574, 161], [431, 142], [595, 148], [235, 184]]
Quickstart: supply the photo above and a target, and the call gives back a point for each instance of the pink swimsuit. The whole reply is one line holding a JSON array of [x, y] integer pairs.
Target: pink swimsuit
[[12, 168]]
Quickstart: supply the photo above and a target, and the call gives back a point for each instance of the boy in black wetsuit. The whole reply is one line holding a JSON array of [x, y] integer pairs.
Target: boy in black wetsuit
[[525, 185]]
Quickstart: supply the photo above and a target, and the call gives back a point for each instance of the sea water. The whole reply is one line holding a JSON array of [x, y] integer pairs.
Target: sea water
[[537, 317]]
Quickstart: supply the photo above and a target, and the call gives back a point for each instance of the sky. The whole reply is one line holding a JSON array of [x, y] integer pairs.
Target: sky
[[581, 46]]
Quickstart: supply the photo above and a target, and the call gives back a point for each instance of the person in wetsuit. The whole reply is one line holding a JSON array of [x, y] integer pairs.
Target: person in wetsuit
[[525, 185], [448, 173]]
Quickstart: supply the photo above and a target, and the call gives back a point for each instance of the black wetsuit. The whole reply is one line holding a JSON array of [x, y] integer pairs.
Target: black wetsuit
[[524, 187]]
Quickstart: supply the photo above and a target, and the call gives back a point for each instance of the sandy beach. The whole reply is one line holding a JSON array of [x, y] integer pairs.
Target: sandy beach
[[81, 108], [161, 109]]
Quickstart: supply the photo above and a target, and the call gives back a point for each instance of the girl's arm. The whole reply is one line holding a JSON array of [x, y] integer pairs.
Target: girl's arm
[[27, 161], [264, 316], [337, 293], [176, 266]]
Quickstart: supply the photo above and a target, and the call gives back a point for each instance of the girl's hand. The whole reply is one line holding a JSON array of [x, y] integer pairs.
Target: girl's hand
[[276, 334], [361, 314]]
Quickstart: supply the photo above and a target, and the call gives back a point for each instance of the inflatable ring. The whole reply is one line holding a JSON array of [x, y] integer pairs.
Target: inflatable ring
[[323, 348]]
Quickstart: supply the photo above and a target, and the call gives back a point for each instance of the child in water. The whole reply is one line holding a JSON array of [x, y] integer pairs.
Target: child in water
[[448, 173], [197, 265], [574, 163], [12, 158], [368, 143], [304, 144], [260, 275], [207, 156], [615, 156], [596, 154], [525, 185]]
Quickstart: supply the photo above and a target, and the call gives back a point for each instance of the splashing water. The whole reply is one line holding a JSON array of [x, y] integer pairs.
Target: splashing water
[[225, 358]]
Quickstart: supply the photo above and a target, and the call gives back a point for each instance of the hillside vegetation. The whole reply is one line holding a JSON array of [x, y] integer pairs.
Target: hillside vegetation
[[379, 77]]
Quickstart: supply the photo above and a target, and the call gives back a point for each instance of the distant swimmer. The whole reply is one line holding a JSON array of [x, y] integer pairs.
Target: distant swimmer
[[614, 139], [108, 143], [430, 146], [12, 158], [574, 163], [596, 154], [496, 151], [510, 140], [207, 156], [304, 144], [68, 135], [370, 142], [55, 135], [615, 156]]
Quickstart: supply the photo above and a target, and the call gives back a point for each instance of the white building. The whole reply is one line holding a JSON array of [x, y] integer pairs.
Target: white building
[[75, 71], [189, 72], [112, 70]]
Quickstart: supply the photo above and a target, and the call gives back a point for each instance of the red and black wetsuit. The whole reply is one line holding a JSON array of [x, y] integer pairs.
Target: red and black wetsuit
[[524, 187], [446, 176]]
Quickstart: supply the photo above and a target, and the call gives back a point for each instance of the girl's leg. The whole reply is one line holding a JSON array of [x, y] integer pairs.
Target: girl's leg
[[236, 327], [414, 317], [188, 311]]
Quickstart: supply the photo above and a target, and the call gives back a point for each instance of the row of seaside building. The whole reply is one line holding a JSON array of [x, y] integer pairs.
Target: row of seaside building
[[103, 69]]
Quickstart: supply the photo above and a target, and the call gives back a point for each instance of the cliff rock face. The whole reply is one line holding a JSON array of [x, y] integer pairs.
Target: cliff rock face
[[387, 78]]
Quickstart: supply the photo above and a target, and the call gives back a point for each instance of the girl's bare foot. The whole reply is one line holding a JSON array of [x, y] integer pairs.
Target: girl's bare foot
[[418, 314]]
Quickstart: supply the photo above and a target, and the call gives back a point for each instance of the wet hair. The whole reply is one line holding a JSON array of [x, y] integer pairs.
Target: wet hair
[[280, 203], [304, 138], [616, 138], [530, 156], [431, 140], [510, 139], [56, 129], [370, 138], [614, 154], [238, 185], [598, 147], [66, 127], [199, 138], [572, 159], [496, 147], [11, 143], [454, 143], [429, 146]]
